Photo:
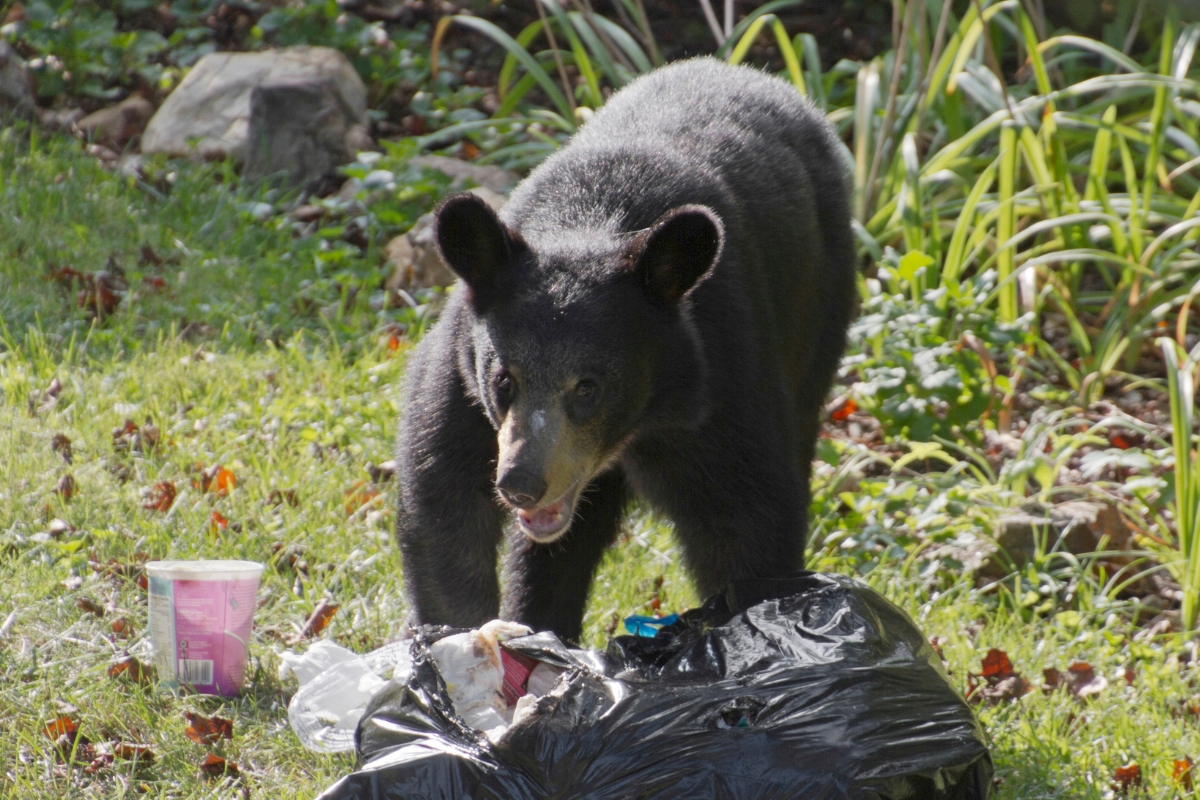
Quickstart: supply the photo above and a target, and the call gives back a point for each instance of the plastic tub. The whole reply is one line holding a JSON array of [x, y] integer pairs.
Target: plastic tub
[[200, 619]]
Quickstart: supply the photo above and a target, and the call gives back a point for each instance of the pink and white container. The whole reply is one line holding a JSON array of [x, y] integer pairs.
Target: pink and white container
[[200, 619]]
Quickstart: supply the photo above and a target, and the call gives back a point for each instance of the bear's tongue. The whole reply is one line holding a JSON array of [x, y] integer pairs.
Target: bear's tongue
[[547, 519]]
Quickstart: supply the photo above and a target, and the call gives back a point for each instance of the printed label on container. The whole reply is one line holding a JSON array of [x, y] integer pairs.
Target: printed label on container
[[204, 627]]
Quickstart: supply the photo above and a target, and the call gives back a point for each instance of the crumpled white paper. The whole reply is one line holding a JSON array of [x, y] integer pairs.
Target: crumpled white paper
[[470, 665]]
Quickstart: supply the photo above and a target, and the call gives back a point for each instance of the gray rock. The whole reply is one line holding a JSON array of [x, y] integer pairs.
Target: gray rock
[[413, 256], [16, 95], [498, 180], [299, 132], [208, 114], [1076, 527]]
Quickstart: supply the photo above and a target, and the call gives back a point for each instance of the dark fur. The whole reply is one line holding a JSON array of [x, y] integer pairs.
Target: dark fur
[[711, 400]]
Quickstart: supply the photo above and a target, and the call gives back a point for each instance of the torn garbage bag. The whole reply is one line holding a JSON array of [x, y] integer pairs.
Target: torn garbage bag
[[810, 688]]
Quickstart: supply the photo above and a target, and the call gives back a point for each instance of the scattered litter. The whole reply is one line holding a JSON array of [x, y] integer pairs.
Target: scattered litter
[[335, 686], [810, 687]]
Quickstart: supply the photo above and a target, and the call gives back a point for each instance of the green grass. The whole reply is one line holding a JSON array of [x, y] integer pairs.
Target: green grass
[[310, 412]]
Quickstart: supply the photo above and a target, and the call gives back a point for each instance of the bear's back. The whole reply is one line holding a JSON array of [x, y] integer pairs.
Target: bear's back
[[696, 131]]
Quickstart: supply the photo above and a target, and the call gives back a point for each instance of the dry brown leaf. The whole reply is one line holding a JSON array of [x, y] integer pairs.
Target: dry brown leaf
[[319, 619], [91, 606], [216, 479], [360, 495], [66, 487], [60, 444], [160, 497], [131, 668], [1181, 773], [1127, 777], [1083, 682], [133, 752], [207, 730], [996, 665], [213, 766]]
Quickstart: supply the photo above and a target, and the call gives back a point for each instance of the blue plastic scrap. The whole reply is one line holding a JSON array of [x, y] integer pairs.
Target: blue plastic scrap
[[649, 626]]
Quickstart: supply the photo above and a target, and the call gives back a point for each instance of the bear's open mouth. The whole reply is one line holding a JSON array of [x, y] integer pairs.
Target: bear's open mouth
[[545, 524]]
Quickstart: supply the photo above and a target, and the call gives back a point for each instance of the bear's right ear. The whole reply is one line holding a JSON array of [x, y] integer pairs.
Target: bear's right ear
[[473, 242]]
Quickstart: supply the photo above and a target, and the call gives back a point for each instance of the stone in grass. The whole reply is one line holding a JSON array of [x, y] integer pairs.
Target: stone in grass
[[413, 256], [1076, 527], [16, 96], [299, 132], [119, 125], [208, 114], [497, 179]]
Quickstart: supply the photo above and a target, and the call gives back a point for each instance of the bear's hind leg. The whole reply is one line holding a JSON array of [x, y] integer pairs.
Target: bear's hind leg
[[546, 585]]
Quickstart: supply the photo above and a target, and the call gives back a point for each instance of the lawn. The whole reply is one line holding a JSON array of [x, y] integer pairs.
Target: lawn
[[187, 371]]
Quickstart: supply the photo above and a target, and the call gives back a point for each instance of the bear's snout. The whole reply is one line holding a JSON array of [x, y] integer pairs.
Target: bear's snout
[[521, 488]]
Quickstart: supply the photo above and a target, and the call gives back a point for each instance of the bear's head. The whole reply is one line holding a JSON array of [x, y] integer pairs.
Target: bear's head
[[578, 344]]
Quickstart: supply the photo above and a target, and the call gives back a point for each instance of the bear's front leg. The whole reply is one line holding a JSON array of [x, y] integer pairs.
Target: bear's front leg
[[450, 522], [546, 585]]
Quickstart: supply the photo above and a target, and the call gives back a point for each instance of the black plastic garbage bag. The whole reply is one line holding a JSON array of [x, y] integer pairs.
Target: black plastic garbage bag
[[811, 688]]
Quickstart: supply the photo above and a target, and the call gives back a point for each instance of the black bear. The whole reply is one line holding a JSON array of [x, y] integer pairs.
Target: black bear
[[658, 310]]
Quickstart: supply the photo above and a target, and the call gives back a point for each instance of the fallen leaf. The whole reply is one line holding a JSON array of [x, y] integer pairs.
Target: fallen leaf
[[66, 487], [936, 643], [133, 752], [1083, 682], [214, 766], [359, 495], [59, 528], [62, 725], [1053, 679], [160, 496], [102, 291], [217, 522], [91, 606], [1130, 676], [996, 665], [148, 258], [100, 762], [46, 400], [278, 497], [69, 743], [207, 730], [121, 627], [319, 619], [1181, 773], [1011, 688], [60, 444], [844, 411], [154, 283], [131, 668], [289, 557], [1002, 682], [215, 479], [1127, 777], [382, 473]]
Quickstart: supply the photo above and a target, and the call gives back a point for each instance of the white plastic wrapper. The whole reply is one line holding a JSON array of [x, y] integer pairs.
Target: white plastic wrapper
[[491, 689], [335, 686]]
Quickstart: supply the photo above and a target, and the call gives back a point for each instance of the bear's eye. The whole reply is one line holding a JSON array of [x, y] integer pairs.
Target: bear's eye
[[505, 388], [586, 389]]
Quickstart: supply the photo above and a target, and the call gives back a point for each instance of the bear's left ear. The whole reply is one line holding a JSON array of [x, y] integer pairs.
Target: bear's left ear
[[474, 243], [677, 251]]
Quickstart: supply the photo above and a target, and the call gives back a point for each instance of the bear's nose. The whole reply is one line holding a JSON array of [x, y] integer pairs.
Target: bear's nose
[[521, 488]]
